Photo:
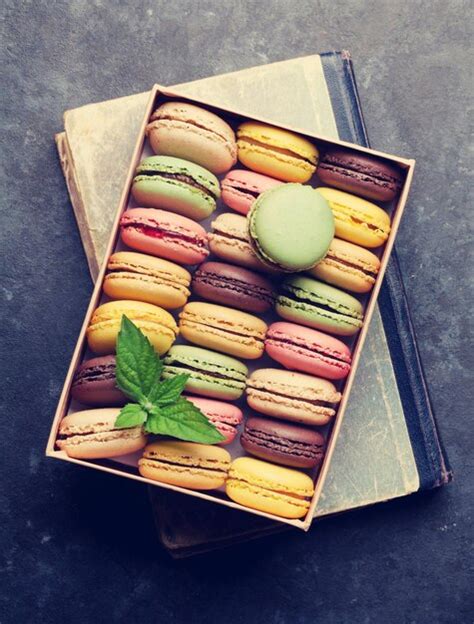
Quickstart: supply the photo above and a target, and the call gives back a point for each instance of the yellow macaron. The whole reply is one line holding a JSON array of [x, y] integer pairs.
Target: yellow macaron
[[276, 152], [157, 324], [223, 329], [185, 464], [273, 489], [348, 266], [357, 220], [146, 278]]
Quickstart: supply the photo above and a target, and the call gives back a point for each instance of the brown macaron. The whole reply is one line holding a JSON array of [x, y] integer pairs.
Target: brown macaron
[[233, 286], [94, 383], [283, 443]]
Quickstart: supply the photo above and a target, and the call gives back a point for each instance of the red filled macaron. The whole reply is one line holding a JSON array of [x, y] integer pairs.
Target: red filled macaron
[[164, 234]]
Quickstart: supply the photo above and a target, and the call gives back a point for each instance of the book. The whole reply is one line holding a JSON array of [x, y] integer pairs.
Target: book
[[389, 445]]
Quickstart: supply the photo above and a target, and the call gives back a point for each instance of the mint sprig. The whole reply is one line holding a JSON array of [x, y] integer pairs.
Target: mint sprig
[[158, 405]]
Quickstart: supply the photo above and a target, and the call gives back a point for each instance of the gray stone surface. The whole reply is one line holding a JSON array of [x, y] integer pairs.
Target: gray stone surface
[[79, 546]]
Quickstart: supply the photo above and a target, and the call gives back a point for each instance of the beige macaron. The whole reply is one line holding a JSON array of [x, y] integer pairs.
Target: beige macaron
[[91, 434]]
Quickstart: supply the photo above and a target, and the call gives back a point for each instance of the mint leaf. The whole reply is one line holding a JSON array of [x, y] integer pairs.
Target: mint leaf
[[131, 415], [138, 366], [169, 390], [183, 420]]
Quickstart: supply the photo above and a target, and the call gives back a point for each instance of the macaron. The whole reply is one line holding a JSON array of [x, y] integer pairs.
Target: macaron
[[229, 240], [240, 188], [308, 350], [178, 185], [146, 278], [194, 133], [359, 173], [164, 234], [357, 220], [185, 464], [226, 417], [223, 329], [316, 304], [211, 374], [269, 488], [157, 324], [94, 383], [283, 443], [291, 227], [348, 266], [276, 152], [233, 286], [91, 434], [292, 396]]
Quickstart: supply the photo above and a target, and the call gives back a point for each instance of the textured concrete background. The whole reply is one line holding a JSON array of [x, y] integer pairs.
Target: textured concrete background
[[79, 546]]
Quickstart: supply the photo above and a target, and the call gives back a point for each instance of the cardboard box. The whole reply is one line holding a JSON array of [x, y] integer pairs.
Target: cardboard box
[[126, 466]]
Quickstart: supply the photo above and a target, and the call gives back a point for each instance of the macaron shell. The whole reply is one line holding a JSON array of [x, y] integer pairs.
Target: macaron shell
[[308, 350], [224, 416], [269, 488], [193, 133], [145, 278], [291, 227], [223, 329], [358, 173], [91, 435], [240, 188], [233, 286], [230, 241], [185, 464], [94, 383], [283, 443], [157, 324], [164, 234], [292, 396], [276, 152], [316, 304], [357, 220], [348, 266]]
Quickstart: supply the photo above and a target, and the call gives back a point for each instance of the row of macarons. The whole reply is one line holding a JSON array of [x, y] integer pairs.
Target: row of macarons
[[251, 482], [199, 136]]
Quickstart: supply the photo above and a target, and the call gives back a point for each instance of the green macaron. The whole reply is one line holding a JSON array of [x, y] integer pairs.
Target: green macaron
[[211, 374], [316, 304], [176, 184], [291, 227]]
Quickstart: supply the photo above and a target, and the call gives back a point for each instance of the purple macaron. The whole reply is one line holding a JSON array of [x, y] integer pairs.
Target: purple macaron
[[233, 286], [94, 383], [283, 443]]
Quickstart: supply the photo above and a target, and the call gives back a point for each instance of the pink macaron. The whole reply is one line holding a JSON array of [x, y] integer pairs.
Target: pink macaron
[[308, 350], [164, 234], [226, 417], [240, 188]]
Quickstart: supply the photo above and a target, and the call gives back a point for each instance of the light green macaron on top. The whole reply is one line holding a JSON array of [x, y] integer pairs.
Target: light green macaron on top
[[210, 374], [176, 184], [291, 227], [316, 304]]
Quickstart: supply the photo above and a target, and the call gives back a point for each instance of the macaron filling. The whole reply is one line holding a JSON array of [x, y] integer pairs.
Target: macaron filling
[[363, 268], [88, 374], [151, 227], [274, 148], [282, 445], [175, 177], [346, 213], [179, 170], [125, 270]]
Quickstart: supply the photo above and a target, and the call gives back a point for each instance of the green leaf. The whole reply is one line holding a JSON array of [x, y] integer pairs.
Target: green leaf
[[132, 415], [183, 420], [138, 366], [169, 390]]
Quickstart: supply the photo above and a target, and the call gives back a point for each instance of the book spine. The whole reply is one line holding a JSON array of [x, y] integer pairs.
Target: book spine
[[432, 463]]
